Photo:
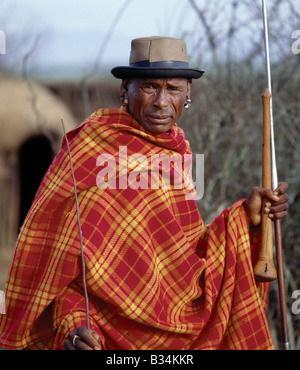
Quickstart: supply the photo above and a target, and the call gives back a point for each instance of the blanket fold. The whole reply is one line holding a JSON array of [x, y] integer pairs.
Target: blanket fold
[[157, 277]]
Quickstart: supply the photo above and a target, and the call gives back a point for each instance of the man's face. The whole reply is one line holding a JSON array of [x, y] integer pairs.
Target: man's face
[[156, 103]]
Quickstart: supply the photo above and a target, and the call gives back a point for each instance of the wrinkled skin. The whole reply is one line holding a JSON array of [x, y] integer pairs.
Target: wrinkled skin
[[157, 104]]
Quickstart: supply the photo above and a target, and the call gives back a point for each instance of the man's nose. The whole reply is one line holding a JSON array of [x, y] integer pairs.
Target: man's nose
[[161, 99]]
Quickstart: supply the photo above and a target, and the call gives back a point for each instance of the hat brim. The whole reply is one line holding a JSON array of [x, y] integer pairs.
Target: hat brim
[[142, 72]]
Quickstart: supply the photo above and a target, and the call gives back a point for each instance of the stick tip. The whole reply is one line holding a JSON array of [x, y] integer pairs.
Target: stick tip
[[63, 125]]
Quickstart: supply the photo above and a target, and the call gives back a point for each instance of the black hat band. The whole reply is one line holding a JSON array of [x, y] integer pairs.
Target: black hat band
[[163, 64]]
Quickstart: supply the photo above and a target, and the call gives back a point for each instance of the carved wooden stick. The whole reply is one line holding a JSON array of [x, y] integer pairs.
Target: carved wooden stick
[[264, 269]]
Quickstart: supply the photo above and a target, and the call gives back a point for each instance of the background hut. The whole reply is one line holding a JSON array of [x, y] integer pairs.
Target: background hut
[[30, 136]]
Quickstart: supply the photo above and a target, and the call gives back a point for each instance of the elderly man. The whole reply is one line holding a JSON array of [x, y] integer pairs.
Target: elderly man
[[156, 276]]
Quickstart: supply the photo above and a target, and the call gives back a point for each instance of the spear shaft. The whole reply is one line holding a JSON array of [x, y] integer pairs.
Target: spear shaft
[[268, 72]]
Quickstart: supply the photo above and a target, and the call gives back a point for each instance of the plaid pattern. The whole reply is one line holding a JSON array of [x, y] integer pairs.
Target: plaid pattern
[[157, 277]]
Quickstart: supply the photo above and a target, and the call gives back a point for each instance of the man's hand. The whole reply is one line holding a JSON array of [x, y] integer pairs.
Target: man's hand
[[82, 339], [276, 205]]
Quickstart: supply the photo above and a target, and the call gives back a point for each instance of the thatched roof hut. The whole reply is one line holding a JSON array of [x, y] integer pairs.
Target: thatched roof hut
[[30, 136]]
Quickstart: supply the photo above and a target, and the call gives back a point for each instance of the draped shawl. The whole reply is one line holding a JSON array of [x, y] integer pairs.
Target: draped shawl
[[157, 277]]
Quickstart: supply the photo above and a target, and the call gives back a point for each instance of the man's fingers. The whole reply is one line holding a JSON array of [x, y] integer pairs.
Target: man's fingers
[[278, 215], [68, 345], [277, 212], [282, 188], [274, 198], [269, 194], [277, 209], [96, 337], [88, 338], [82, 339], [275, 205], [80, 344]]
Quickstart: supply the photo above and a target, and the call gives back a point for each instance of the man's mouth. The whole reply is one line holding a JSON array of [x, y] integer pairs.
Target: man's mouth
[[159, 119]]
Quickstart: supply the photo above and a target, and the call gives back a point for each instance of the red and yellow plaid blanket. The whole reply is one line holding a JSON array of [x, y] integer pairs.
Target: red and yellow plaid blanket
[[157, 277]]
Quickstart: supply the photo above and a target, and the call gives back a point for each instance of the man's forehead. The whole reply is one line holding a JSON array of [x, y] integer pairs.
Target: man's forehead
[[161, 81]]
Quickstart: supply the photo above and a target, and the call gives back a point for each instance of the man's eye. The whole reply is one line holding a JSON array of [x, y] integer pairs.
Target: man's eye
[[148, 88], [174, 89]]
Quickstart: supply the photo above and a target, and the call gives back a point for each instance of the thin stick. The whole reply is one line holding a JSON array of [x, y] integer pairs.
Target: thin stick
[[80, 231]]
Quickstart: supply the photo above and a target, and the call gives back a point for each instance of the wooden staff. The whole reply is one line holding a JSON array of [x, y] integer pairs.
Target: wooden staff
[[266, 254], [264, 269]]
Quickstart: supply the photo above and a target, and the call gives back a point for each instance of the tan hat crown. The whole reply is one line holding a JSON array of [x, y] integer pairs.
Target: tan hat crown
[[157, 57], [158, 49]]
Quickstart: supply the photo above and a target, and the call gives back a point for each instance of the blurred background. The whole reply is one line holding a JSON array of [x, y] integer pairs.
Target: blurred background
[[55, 62]]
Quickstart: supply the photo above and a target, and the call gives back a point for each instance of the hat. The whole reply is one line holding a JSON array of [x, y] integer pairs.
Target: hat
[[157, 57]]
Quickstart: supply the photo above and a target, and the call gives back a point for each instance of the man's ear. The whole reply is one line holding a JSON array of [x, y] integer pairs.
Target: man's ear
[[124, 87], [189, 85]]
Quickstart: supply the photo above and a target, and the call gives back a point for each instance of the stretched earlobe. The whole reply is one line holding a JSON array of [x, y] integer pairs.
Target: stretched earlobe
[[188, 103], [123, 91], [124, 98]]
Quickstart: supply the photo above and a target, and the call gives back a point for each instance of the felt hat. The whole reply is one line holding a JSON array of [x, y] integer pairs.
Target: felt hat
[[157, 57]]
